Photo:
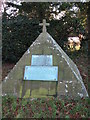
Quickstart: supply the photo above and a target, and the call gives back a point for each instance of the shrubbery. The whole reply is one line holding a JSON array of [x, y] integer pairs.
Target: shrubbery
[[21, 29], [17, 35]]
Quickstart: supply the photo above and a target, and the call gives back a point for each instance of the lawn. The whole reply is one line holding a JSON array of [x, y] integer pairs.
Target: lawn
[[45, 108]]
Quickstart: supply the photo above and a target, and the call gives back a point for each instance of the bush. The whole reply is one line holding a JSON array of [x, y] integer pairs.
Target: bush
[[17, 35]]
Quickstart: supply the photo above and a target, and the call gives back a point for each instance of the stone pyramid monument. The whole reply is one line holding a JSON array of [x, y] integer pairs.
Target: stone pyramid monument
[[44, 70]]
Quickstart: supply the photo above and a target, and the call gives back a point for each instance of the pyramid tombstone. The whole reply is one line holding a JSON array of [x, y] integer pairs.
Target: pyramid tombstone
[[44, 70]]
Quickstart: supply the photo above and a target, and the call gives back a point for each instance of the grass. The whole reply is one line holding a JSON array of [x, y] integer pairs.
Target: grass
[[13, 107]]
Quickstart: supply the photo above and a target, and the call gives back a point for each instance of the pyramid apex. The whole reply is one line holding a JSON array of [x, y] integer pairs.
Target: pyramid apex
[[44, 24]]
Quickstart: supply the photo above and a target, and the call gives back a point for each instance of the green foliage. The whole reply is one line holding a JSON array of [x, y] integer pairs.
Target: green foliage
[[67, 116], [20, 30], [14, 104], [17, 36], [13, 107]]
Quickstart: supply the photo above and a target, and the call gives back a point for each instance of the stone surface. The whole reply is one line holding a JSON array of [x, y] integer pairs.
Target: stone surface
[[44, 24], [69, 83]]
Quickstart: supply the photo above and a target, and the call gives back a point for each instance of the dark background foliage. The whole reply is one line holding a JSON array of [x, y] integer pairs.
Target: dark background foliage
[[19, 30]]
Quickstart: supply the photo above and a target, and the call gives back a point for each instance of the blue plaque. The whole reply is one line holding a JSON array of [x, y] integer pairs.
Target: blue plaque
[[42, 60], [44, 73]]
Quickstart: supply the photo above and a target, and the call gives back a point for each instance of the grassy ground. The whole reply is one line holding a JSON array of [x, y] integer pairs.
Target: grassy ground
[[48, 107], [45, 108]]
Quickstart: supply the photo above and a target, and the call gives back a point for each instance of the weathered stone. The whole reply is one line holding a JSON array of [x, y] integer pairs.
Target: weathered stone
[[68, 73]]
